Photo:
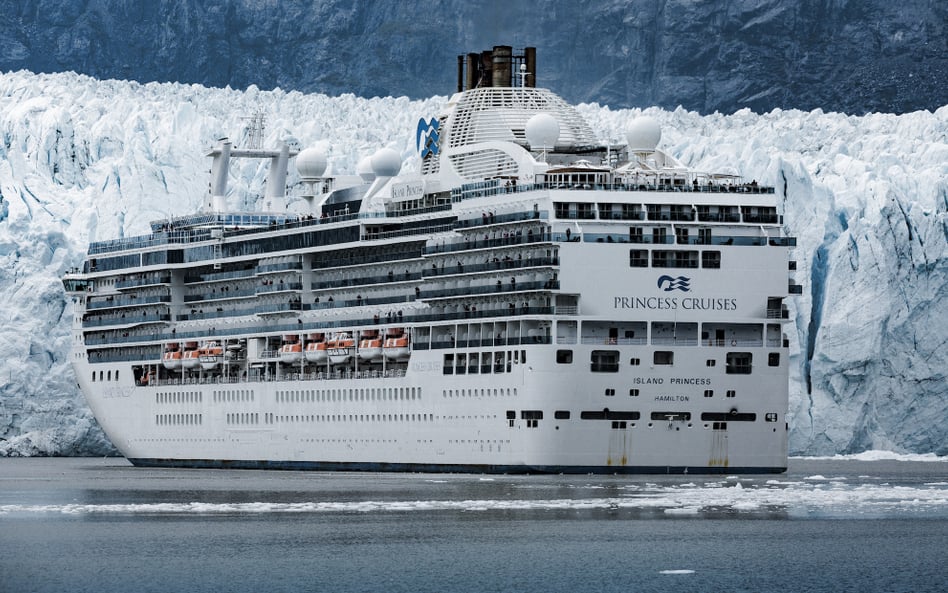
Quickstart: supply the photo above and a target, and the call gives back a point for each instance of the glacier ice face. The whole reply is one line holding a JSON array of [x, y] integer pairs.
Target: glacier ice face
[[84, 160]]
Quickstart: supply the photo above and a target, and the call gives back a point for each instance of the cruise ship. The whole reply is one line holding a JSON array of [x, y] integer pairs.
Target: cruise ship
[[528, 299]]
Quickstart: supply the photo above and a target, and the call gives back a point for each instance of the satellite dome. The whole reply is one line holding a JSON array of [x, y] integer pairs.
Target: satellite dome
[[542, 131], [643, 134], [386, 163], [311, 163], [364, 169]]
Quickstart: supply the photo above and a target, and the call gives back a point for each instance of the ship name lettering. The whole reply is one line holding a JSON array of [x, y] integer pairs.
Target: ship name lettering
[[672, 398], [689, 381], [673, 303], [648, 380]]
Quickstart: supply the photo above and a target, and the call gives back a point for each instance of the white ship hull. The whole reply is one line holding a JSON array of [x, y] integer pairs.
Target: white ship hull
[[513, 307]]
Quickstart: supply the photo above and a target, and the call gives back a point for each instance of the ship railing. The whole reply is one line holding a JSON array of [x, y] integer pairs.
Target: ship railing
[[279, 287], [129, 319], [366, 280], [493, 188], [778, 313], [599, 340], [125, 301], [281, 267], [149, 280], [435, 228], [218, 296], [499, 287], [219, 276], [659, 341], [522, 239], [488, 218], [492, 266], [734, 343]]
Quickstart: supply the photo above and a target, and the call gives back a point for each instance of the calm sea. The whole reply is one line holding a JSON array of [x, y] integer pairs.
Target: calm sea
[[827, 525]]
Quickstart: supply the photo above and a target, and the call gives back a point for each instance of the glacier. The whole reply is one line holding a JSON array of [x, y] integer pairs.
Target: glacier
[[84, 160]]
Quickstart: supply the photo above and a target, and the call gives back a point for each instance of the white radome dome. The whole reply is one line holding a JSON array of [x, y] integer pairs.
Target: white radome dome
[[542, 131], [386, 163], [364, 169], [311, 163], [643, 134]]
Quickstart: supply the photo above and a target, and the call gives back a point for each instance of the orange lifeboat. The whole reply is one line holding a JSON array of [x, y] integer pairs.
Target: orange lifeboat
[[340, 348], [396, 344], [210, 355], [316, 348], [291, 351], [171, 359], [370, 345], [191, 358]]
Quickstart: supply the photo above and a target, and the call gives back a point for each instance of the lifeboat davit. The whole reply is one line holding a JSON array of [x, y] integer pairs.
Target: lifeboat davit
[[171, 359], [316, 350], [340, 348], [291, 351], [370, 345], [396, 345], [210, 355]]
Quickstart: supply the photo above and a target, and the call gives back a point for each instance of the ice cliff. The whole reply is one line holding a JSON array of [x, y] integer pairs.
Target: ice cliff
[[84, 160]]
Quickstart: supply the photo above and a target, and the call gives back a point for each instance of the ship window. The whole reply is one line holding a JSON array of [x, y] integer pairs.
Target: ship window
[[670, 416], [562, 357], [93, 376], [709, 393], [666, 357], [618, 425], [635, 362], [738, 363], [633, 392], [604, 361], [730, 393], [732, 416], [710, 362], [773, 359], [610, 392], [561, 414], [770, 417], [638, 258], [710, 259]]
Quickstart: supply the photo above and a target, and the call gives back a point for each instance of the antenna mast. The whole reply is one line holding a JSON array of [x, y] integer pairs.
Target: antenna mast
[[255, 127]]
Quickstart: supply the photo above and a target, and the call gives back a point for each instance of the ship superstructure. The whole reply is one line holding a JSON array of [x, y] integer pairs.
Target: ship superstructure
[[531, 300]]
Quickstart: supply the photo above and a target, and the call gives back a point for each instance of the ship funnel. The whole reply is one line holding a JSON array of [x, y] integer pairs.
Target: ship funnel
[[496, 67]]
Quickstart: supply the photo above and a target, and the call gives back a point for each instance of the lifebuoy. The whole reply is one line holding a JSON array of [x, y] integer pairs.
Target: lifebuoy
[[733, 342]]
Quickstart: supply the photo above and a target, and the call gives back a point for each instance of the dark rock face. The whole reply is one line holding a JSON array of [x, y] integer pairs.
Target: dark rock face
[[853, 56]]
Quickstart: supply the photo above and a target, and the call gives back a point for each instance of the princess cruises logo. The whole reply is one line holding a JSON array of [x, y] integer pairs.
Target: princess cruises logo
[[427, 138], [668, 283]]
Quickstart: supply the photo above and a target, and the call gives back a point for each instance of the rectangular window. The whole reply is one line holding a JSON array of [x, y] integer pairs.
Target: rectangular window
[[620, 425], [564, 357], [604, 361], [710, 362], [610, 392], [448, 365], [635, 362], [730, 393], [711, 259], [561, 414], [773, 359], [709, 393], [739, 363], [638, 258], [733, 416], [671, 416], [633, 392], [665, 357], [609, 415]]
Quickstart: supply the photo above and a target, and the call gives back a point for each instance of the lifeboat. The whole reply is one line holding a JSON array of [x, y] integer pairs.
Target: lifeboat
[[171, 359], [396, 345], [191, 358], [370, 345], [315, 350], [291, 351], [210, 355], [340, 348]]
